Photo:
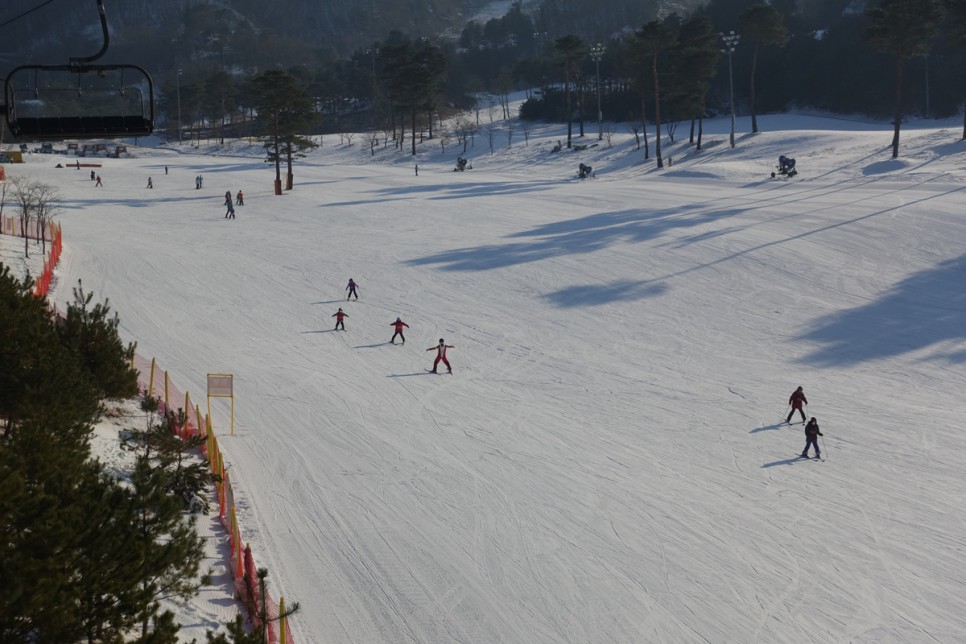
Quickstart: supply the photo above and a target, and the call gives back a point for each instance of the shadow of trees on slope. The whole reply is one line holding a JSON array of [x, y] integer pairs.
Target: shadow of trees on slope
[[925, 309], [576, 236]]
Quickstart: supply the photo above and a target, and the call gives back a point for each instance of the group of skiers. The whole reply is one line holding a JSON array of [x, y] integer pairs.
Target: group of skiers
[[353, 291], [797, 402]]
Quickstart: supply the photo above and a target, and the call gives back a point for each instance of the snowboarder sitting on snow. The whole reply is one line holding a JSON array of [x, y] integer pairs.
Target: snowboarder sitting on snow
[[352, 286], [441, 355], [812, 432], [797, 400], [339, 317], [583, 171], [785, 165], [460, 164], [398, 325]]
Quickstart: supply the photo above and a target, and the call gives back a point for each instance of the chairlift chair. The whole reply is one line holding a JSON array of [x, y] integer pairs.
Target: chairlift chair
[[79, 100]]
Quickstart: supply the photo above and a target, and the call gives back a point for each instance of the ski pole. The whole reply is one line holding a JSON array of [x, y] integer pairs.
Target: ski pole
[[824, 449], [785, 413]]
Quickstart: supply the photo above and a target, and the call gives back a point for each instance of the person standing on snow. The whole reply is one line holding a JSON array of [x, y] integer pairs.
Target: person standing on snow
[[150, 183], [812, 432], [441, 355], [398, 325], [231, 210], [241, 199], [352, 289], [339, 317], [797, 400], [98, 183]]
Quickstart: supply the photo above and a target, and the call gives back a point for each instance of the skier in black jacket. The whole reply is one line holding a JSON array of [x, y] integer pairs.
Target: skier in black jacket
[[812, 432]]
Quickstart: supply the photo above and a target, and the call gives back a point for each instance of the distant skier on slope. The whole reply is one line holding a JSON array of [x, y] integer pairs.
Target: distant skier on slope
[[398, 325], [812, 432], [441, 355], [352, 289], [339, 317], [797, 400]]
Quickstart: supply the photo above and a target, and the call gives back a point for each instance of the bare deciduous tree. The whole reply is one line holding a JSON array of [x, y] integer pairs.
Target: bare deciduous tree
[[372, 138], [24, 192], [47, 204], [635, 129]]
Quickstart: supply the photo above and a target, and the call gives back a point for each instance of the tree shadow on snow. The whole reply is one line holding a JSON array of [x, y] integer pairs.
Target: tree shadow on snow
[[925, 309], [577, 236], [597, 294]]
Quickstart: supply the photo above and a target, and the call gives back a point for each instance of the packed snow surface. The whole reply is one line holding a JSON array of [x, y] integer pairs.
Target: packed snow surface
[[607, 463]]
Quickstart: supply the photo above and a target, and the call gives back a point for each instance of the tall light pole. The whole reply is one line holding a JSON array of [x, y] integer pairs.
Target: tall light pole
[[177, 80], [596, 54], [731, 42]]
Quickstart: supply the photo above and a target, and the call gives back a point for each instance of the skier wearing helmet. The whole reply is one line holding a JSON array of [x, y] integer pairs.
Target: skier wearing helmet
[[398, 326], [441, 355]]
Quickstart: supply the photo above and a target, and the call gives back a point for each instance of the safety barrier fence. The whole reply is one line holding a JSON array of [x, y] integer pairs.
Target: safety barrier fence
[[156, 382], [14, 226]]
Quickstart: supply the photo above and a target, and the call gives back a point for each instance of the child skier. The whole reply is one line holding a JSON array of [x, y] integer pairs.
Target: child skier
[[352, 289], [398, 324], [231, 210], [797, 400], [339, 317], [441, 355], [240, 201], [812, 432]]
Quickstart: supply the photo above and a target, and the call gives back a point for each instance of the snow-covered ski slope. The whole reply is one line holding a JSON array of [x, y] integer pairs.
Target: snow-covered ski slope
[[606, 464]]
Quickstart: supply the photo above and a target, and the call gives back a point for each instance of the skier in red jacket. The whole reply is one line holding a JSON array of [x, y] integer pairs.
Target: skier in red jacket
[[398, 325], [441, 355], [797, 400], [339, 317]]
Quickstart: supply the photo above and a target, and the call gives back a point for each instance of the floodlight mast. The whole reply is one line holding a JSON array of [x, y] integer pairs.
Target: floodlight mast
[[731, 43]]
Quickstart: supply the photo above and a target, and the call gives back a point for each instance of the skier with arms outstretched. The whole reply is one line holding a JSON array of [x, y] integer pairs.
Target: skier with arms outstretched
[[398, 326], [441, 355], [340, 316], [352, 286]]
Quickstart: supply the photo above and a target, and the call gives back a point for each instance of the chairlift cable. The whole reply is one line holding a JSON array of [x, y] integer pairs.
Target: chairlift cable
[[28, 11]]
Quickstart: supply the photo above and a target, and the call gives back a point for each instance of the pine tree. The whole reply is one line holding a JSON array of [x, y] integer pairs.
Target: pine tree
[[653, 40], [91, 334], [902, 28], [762, 25]]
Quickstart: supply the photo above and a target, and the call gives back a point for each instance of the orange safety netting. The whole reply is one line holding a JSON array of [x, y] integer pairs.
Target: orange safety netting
[[156, 382], [50, 232]]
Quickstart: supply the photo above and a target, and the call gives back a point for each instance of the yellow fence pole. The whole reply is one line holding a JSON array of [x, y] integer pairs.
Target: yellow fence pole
[[282, 623], [151, 380]]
